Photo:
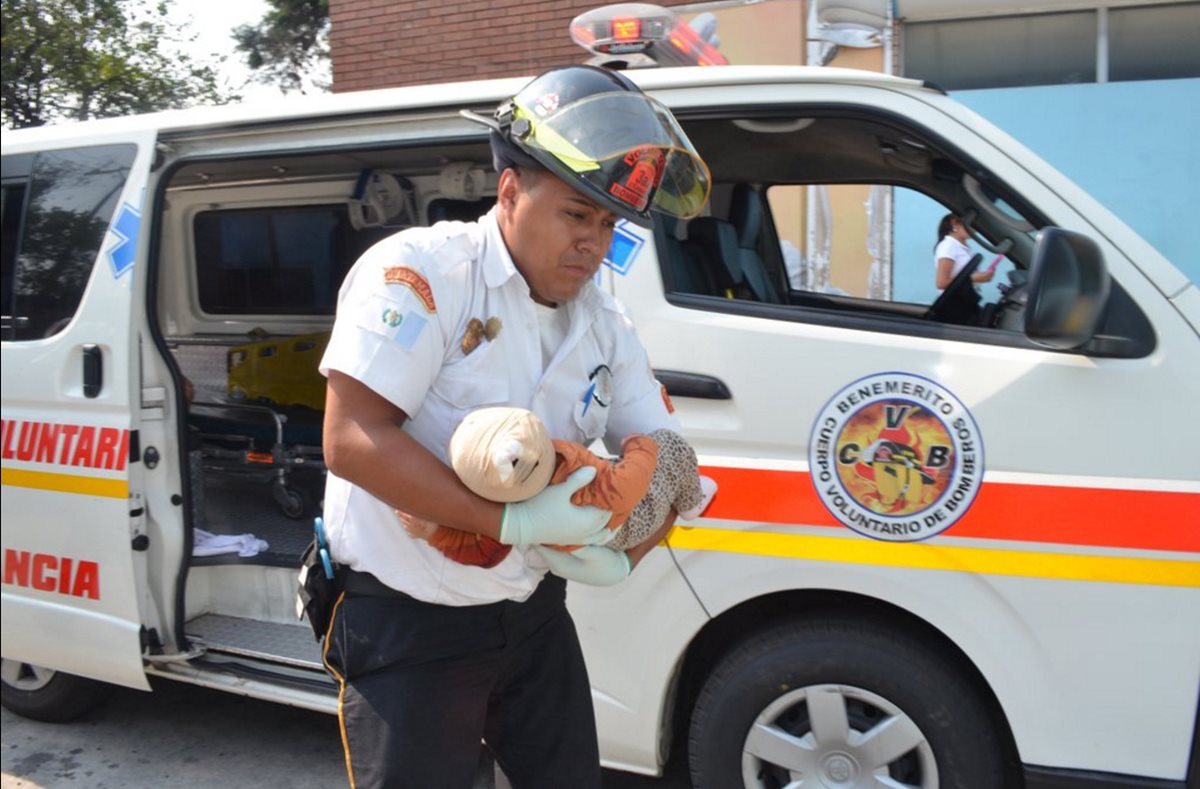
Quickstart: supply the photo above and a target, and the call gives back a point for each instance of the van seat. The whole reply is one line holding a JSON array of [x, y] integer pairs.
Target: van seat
[[746, 214], [715, 250], [687, 274]]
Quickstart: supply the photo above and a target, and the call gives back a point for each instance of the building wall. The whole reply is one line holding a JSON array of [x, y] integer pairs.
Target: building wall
[[389, 43]]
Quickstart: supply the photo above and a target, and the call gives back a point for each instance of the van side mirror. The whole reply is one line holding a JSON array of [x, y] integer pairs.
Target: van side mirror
[[1068, 290]]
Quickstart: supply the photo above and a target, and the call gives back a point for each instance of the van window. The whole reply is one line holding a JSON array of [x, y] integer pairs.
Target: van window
[[832, 218], [278, 260], [12, 204], [69, 200], [868, 241]]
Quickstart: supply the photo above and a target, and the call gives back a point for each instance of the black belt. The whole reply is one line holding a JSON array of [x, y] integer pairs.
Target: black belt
[[360, 584], [367, 585]]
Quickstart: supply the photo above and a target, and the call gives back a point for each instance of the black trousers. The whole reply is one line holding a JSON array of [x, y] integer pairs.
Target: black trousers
[[423, 684]]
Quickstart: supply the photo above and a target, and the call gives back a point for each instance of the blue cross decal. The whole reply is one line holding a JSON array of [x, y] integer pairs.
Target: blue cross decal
[[121, 254], [626, 244]]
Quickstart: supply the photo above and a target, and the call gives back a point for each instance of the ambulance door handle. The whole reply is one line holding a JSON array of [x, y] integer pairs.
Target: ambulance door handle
[[705, 387], [93, 370]]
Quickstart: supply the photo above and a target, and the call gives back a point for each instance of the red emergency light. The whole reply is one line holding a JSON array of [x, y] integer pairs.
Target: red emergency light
[[626, 29]]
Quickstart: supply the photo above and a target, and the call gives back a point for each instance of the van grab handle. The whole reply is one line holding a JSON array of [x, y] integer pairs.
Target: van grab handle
[[705, 387], [93, 370]]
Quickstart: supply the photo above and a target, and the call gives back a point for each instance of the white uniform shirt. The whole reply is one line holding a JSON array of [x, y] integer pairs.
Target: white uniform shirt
[[402, 313], [951, 247]]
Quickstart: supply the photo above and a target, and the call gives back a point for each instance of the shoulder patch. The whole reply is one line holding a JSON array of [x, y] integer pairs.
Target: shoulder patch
[[403, 275]]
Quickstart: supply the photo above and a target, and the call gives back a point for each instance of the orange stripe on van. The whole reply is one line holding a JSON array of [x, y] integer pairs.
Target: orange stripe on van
[[1141, 519]]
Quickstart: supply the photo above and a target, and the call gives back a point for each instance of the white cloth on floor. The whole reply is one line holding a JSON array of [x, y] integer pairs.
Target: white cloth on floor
[[209, 544]]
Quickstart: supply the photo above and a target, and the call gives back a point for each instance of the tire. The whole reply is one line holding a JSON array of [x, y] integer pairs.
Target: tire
[[47, 695], [834, 703]]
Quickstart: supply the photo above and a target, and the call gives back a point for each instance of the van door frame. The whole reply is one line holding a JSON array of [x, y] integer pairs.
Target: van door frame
[[74, 594]]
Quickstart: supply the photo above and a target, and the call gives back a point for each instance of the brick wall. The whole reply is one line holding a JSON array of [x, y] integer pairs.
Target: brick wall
[[388, 43]]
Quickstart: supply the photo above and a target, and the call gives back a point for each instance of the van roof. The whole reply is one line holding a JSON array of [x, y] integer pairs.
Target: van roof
[[461, 94]]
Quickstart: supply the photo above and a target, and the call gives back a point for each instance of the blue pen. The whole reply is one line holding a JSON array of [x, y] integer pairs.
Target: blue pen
[[587, 397]]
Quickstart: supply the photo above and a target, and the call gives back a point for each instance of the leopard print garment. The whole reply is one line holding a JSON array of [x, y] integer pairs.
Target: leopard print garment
[[676, 483]]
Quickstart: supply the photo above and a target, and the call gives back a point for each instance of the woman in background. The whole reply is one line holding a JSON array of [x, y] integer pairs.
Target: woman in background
[[952, 253]]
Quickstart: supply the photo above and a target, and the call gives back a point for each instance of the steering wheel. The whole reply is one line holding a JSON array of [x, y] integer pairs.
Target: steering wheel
[[958, 299]]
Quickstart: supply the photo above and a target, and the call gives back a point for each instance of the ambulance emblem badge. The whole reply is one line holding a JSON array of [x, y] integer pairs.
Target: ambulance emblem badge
[[896, 457]]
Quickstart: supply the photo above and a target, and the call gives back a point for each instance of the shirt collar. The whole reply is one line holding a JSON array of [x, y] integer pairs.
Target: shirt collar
[[498, 266]]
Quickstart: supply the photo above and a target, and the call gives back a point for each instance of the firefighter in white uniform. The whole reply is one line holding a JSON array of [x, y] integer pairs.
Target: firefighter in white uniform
[[432, 323]]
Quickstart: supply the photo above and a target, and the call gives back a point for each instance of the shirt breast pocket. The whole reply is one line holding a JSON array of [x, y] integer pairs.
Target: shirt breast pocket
[[476, 380], [592, 419]]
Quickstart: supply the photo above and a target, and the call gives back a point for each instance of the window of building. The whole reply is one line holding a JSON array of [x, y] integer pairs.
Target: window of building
[[50, 250], [1153, 42], [1140, 42], [1001, 52]]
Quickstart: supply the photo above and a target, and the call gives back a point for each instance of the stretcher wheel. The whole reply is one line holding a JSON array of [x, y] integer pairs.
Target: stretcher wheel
[[294, 502]]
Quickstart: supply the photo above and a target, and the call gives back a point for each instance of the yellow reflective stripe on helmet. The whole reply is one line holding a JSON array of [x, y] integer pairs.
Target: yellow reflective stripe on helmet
[[556, 145]]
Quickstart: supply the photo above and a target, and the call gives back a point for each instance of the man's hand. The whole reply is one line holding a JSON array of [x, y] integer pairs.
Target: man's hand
[[550, 517], [594, 565]]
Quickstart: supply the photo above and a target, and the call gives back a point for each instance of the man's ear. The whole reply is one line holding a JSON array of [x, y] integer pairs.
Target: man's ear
[[508, 188]]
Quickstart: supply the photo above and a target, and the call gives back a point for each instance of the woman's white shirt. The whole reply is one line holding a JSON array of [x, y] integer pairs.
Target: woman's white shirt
[[950, 247]]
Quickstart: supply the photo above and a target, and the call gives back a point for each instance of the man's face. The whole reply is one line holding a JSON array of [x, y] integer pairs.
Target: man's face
[[556, 236]]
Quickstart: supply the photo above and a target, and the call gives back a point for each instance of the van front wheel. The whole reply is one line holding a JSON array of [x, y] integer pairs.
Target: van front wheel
[[45, 694], [848, 704]]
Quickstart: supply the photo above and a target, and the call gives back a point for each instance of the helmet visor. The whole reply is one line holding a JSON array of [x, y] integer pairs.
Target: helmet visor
[[625, 145]]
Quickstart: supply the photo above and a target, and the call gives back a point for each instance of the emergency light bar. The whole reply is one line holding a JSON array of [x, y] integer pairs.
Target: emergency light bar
[[645, 29]]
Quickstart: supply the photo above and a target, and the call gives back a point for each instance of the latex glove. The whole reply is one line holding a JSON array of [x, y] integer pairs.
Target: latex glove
[[594, 565], [550, 517]]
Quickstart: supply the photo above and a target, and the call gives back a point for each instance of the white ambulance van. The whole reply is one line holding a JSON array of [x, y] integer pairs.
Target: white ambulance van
[[957, 536]]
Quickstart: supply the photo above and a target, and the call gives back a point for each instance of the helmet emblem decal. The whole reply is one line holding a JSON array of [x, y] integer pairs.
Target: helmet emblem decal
[[645, 171], [546, 104]]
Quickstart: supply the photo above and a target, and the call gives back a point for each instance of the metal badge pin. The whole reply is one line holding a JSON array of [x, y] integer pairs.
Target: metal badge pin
[[492, 328], [477, 331], [472, 337]]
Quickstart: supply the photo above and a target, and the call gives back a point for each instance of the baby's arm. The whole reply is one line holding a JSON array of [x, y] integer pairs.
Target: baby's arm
[[618, 487]]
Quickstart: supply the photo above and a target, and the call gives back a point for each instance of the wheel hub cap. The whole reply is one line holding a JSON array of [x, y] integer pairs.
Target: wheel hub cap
[[838, 769]]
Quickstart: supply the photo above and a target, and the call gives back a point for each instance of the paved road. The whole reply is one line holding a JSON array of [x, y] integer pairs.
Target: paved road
[[185, 737]]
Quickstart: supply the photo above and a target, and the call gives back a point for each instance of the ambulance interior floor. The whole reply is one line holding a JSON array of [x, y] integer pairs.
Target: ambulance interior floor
[[236, 504]]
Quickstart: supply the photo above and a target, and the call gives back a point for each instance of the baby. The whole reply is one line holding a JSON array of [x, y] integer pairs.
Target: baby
[[506, 454]]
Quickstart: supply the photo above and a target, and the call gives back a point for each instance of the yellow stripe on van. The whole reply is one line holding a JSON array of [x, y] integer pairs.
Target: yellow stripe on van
[[65, 483], [925, 556]]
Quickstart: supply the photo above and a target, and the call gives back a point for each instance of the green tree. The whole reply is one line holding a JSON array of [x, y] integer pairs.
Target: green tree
[[288, 44], [81, 59]]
